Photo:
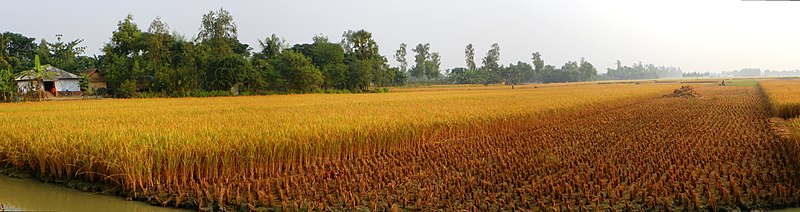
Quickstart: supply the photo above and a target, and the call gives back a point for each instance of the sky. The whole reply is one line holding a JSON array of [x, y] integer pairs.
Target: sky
[[696, 35]]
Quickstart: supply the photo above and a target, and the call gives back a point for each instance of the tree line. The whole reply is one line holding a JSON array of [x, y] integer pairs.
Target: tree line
[[160, 62], [520, 72], [640, 71]]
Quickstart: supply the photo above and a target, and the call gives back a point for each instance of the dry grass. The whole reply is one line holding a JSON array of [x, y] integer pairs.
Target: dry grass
[[177, 147]]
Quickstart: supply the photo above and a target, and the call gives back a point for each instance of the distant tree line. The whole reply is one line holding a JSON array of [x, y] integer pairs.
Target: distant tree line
[[640, 71], [160, 62], [520, 72], [784, 73], [747, 72], [697, 74]]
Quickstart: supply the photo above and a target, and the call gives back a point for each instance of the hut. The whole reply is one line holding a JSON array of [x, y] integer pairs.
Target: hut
[[97, 83], [56, 79]]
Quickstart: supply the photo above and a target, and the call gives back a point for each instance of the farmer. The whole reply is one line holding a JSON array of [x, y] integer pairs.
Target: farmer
[[54, 91], [723, 83]]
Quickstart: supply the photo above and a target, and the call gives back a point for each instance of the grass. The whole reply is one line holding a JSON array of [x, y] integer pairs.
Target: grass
[[741, 82]]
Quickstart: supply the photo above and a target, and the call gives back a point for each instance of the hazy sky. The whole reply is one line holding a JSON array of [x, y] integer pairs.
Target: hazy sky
[[696, 35]]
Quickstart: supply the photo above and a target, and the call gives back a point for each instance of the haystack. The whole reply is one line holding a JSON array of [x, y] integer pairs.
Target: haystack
[[686, 91]]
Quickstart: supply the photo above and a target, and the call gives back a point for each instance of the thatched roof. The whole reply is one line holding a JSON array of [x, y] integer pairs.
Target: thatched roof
[[57, 74], [94, 75]]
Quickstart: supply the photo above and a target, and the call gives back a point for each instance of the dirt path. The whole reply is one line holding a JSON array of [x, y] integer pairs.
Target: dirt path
[[714, 152]]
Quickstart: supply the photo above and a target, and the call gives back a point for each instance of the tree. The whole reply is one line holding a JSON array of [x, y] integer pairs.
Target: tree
[[365, 63], [7, 84], [329, 58], [16, 50], [158, 56], [126, 40], [226, 71], [219, 31], [62, 54], [120, 61], [568, 73], [400, 57], [432, 71], [538, 68], [271, 47], [514, 73], [491, 66], [421, 59], [586, 70], [320, 39], [470, 57], [84, 84], [359, 74], [361, 45], [300, 74]]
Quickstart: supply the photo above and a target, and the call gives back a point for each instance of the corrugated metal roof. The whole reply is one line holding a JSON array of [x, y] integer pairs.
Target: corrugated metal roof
[[57, 74]]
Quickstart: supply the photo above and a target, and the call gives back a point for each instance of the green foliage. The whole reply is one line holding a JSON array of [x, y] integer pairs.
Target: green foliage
[[126, 40], [299, 73], [640, 71], [84, 83], [365, 64], [329, 57], [515, 73], [16, 50], [223, 72], [491, 66], [538, 67], [62, 54], [381, 90], [400, 56], [271, 47], [127, 89], [359, 74], [421, 59], [469, 54], [8, 87], [156, 63], [432, 70], [219, 32], [360, 45], [158, 56]]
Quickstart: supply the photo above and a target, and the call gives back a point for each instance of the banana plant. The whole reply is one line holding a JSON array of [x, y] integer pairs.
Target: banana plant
[[39, 74], [7, 84]]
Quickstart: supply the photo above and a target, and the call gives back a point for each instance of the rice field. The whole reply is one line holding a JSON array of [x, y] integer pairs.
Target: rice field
[[572, 146], [247, 151], [784, 96], [712, 153]]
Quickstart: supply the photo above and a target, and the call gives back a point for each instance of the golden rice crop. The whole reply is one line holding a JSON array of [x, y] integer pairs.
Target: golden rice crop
[[705, 154], [784, 95], [231, 150]]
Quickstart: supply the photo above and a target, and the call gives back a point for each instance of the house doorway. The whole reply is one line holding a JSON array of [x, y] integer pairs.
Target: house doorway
[[48, 86]]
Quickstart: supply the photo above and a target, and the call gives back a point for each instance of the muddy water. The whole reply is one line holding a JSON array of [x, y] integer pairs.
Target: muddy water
[[32, 195]]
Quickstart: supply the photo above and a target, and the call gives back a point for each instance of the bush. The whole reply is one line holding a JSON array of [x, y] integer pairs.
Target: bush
[[381, 90], [210, 93], [127, 89]]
